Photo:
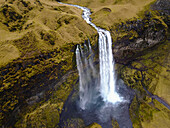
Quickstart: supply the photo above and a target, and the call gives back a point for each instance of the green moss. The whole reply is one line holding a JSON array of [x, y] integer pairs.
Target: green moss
[[74, 123], [20, 75], [160, 116], [94, 125], [142, 13], [134, 113], [145, 112], [115, 124], [102, 1], [145, 71], [46, 115]]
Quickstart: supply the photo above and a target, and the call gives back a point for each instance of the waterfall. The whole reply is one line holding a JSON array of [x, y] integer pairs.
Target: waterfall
[[107, 73], [87, 73], [86, 68]]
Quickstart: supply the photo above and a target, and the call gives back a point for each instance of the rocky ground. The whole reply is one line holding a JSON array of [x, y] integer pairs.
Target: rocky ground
[[38, 76]]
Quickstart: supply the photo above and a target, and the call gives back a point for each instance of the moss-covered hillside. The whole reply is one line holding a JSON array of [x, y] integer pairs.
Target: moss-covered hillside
[[30, 27], [142, 51], [37, 42], [37, 63]]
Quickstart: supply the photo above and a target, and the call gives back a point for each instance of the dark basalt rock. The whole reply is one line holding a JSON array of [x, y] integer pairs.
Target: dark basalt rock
[[162, 5], [139, 35]]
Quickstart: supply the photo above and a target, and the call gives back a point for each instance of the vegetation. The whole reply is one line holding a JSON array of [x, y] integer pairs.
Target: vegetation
[[146, 69], [31, 27], [47, 113], [36, 50], [37, 61], [117, 10]]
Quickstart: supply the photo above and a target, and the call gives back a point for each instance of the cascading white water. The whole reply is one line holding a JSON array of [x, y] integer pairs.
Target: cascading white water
[[87, 72], [107, 72]]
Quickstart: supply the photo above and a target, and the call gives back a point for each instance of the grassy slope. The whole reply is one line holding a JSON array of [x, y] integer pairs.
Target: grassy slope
[[63, 23], [163, 87], [151, 70], [42, 21], [154, 64], [107, 12], [37, 38]]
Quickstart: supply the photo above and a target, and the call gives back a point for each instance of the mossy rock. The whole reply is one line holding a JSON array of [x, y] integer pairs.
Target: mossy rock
[[94, 125], [74, 123], [46, 115]]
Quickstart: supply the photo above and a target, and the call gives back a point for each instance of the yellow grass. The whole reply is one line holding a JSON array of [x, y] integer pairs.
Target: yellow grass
[[52, 17], [121, 10], [163, 86], [160, 117], [64, 22], [8, 52]]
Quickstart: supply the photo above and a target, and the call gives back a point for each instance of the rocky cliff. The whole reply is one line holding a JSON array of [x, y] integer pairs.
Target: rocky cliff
[[142, 55], [38, 71]]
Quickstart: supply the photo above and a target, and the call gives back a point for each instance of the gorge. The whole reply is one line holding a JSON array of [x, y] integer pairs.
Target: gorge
[[58, 69], [98, 97]]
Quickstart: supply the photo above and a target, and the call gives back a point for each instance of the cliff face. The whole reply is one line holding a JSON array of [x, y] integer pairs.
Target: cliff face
[[137, 35], [38, 73], [142, 55]]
